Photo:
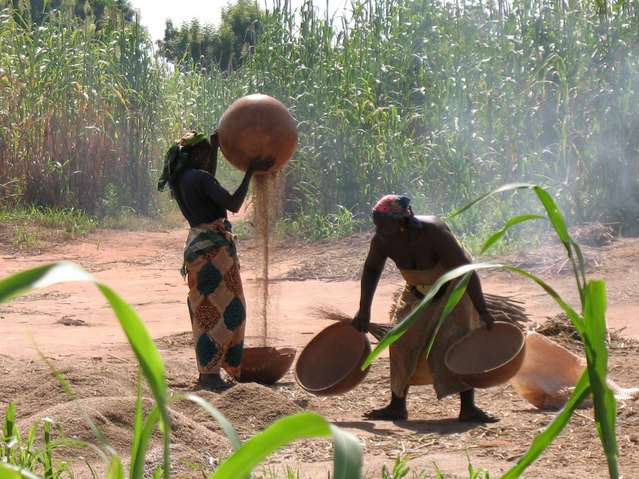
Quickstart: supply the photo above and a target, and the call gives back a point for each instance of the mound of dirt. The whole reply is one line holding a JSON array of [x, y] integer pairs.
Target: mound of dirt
[[38, 389], [593, 234], [176, 341], [251, 407], [193, 444]]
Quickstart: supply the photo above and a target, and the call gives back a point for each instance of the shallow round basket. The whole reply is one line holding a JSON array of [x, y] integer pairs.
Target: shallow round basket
[[257, 125], [486, 358], [331, 362], [265, 365]]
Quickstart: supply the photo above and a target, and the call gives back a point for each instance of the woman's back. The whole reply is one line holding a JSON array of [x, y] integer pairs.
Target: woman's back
[[195, 192]]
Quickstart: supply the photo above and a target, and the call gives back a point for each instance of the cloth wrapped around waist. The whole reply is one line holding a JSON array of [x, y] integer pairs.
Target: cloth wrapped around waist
[[409, 365], [216, 298]]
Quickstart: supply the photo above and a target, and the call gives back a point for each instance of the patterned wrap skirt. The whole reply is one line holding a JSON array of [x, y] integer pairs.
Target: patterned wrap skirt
[[408, 361], [216, 298]]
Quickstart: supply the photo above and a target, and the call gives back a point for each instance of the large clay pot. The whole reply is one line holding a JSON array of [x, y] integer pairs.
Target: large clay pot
[[486, 358], [549, 373], [257, 125], [331, 362]]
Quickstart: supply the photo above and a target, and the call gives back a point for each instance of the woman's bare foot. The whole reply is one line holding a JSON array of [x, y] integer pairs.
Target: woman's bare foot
[[468, 412], [474, 414], [213, 382], [388, 413]]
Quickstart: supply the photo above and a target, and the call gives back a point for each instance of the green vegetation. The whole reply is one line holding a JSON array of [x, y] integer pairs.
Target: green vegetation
[[28, 229], [211, 48], [434, 99], [38, 10]]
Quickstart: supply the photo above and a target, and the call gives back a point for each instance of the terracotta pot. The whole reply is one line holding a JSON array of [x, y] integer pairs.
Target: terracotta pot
[[257, 125], [548, 374], [331, 362], [486, 358], [265, 365]]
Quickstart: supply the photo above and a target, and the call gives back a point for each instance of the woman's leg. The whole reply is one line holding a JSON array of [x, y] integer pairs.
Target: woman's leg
[[395, 411], [212, 382], [469, 412], [208, 351]]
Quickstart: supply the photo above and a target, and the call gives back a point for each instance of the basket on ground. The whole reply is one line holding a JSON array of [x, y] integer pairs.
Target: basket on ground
[[265, 365], [486, 358], [331, 362]]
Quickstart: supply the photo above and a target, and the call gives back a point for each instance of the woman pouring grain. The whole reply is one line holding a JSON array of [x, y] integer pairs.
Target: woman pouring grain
[[423, 248], [216, 300]]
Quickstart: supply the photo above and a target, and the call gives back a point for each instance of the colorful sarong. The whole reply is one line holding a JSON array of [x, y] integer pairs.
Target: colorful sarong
[[216, 298], [409, 365]]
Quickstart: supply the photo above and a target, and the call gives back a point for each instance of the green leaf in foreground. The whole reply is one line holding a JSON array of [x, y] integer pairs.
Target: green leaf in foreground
[[133, 326], [515, 220], [144, 437], [348, 453], [400, 328], [224, 423], [545, 438], [115, 470], [40, 277], [502, 189], [8, 471], [9, 428], [455, 297], [597, 356]]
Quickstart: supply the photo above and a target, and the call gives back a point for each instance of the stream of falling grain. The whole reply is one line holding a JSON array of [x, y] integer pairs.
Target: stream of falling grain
[[266, 201]]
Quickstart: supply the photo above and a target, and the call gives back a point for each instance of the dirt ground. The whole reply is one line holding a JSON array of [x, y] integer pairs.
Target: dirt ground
[[73, 327]]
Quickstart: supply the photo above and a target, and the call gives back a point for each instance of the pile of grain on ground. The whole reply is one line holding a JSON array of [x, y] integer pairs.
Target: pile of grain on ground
[[114, 418], [593, 234], [39, 389], [251, 407], [561, 329]]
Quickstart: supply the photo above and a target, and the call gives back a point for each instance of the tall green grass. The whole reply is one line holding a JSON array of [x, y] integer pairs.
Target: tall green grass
[[31, 227], [435, 99]]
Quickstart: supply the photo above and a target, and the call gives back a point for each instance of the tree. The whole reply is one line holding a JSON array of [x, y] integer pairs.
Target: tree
[[224, 47], [40, 9]]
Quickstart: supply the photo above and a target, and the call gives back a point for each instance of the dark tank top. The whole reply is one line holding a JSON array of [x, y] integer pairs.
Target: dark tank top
[[199, 196]]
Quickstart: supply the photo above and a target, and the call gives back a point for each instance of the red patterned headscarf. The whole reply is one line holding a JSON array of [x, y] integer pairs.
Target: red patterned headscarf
[[393, 206]]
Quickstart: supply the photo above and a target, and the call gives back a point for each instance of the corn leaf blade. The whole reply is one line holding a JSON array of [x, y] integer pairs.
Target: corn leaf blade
[[284, 431], [224, 423], [548, 435], [515, 220], [597, 356], [400, 328], [143, 347]]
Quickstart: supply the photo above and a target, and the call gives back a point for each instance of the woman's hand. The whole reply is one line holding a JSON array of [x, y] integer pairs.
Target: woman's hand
[[488, 319], [214, 140], [361, 321], [261, 163]]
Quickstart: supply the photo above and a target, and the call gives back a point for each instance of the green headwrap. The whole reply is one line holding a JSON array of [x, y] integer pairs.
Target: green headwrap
[[176, 158]]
